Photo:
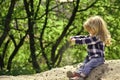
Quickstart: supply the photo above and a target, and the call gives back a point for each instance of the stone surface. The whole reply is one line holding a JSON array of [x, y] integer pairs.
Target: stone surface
[[108, 71]]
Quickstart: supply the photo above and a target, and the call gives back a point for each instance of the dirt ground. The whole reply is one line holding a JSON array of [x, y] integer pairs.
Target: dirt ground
[[108, 71]]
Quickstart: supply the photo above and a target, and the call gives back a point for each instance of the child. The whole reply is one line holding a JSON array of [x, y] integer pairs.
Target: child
[[98, 37]]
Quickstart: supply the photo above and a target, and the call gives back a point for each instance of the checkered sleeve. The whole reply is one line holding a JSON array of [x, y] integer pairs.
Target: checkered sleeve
[[79, 36], [86, 40]]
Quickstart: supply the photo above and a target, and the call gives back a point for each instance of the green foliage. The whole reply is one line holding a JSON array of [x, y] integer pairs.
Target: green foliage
[[58, 17], [18, 70]]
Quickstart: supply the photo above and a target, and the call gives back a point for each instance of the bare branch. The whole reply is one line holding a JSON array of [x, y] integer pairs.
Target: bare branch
[[7, 21], [54, 47], [1, 2], [88, 6]]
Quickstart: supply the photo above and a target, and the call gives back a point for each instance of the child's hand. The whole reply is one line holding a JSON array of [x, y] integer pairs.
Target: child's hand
[[72, 40]]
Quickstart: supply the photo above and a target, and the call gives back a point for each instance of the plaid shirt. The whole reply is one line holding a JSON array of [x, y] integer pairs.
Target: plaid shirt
[[95, 46]]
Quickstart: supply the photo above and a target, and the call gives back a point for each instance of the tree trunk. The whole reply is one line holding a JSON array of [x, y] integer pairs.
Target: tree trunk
[[15, 52], [42, 33], [30, 15], [3, 54], [7, 21], [54, 47]]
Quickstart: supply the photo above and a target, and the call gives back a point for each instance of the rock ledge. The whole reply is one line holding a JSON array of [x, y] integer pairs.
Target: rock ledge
[[108, 71]]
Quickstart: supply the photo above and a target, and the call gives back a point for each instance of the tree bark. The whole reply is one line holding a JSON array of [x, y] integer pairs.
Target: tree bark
[[54, 47], [7, 21], [29, 7], [15, 52], [41, 36], [3, 54]]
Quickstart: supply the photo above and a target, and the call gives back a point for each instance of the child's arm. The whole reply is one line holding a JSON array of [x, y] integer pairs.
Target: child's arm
[[74, 38], [79, 36], [86, 40]]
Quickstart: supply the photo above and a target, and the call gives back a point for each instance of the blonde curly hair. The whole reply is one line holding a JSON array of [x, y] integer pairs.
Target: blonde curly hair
[[99, 26]]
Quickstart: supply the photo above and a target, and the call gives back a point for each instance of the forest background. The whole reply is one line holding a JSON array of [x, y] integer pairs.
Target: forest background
[[34, 34]]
